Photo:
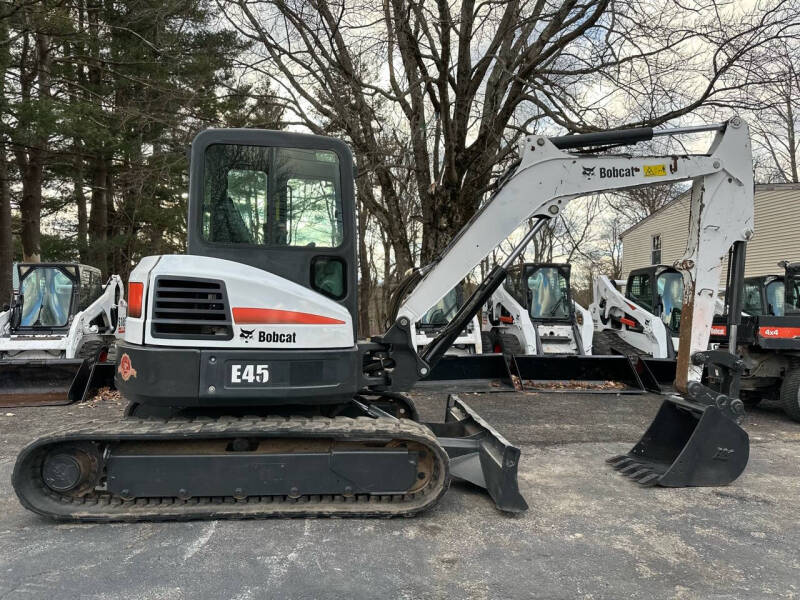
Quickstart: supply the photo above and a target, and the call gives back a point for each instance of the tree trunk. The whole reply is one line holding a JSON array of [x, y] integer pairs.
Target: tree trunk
[[792, 141], [31, 162], [365, 280], [98, 216], [30, 207], [6, 243], [80, 203]]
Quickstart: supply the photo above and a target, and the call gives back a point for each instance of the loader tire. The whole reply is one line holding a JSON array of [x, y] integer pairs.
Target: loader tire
[[790, 394], [750, 399], [510, 344], [89, 350], [488, 342]]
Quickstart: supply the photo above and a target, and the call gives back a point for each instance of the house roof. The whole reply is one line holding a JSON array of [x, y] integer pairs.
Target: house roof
[[760, 187]]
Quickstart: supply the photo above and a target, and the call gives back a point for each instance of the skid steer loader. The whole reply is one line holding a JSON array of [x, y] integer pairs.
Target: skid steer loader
[[56, 333], [428, 327], [533, 313], [548, 337], [645, 320], [260, 319]]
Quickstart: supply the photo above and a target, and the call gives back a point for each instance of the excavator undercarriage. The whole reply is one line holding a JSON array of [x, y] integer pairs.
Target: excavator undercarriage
[[248, 467]]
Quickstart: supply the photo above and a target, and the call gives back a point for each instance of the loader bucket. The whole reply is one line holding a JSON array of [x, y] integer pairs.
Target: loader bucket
[[469, 373], [88, 380], [687, 444], [568, 373], [39, 382], [657, 374], [480, 455]]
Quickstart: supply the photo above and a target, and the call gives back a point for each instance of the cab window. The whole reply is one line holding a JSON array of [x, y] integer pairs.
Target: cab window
[[47, 296], [751, 302], [670, 295], [262, 196], [775, 292], [549, 297], [640, 291]]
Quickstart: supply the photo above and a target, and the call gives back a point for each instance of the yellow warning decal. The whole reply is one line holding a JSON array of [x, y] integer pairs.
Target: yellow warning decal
[[655, 170]]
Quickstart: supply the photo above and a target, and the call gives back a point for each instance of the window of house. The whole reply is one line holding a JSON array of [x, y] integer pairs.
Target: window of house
[[655, 250]]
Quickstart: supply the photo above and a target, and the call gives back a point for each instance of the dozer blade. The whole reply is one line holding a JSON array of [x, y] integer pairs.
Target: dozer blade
[[688, 444], [572, 373], [469, 373], [480, 455], [40, 382]]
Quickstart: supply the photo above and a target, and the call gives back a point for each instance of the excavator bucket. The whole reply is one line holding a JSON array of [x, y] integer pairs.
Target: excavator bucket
[[470, 373], [689, 443], [39, 382], [614, 374], [480, 455]]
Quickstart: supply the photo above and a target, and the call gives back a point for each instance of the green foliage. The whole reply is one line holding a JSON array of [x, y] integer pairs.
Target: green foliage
[[129, 85]]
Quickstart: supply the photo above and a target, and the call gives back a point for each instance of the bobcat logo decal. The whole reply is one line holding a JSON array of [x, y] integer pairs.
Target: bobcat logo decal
[[247, 335], [588, 172]]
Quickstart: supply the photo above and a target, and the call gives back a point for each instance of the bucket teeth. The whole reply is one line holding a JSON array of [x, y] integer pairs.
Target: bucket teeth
[[640, 473], [649, 480], [619, 461]]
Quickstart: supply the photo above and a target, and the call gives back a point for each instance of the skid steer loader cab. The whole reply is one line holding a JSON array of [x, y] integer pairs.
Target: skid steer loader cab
[[440, 314], [546, 292], [659, 290], [265, 307], [47, 297], [48, 345]]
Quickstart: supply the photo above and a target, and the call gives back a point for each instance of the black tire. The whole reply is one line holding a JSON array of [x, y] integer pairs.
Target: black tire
[[487, 342], [89, 350], [749, 398], [510, 344], [790, 394]]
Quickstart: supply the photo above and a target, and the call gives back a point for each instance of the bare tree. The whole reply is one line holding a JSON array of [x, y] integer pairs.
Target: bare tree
[[455, 84], [776, 105]]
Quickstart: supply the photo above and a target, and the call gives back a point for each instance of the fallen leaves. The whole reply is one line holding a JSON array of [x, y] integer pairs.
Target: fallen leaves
[[104, 394], [575, 385]]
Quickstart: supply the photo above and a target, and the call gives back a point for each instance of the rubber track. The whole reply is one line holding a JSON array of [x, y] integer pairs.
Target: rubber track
[[102, 506], [607, 342]]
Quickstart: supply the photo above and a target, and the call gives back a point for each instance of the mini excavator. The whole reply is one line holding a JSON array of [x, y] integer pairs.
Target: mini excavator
[[251, 397]]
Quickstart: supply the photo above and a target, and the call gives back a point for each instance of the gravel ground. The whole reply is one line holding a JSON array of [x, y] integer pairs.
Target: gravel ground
[[589, 533]]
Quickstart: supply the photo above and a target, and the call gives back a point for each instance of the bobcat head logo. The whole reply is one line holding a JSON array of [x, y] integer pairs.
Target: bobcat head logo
[[247, 335], [588, 172]]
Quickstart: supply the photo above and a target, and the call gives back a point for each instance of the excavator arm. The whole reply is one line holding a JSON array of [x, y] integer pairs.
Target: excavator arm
[[549, 175]]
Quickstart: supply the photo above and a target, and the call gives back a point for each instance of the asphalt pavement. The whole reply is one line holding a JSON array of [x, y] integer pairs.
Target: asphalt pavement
[[589, 533]]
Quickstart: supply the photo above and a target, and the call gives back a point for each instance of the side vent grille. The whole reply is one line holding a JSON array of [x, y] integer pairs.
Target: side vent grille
[[190, 308]]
